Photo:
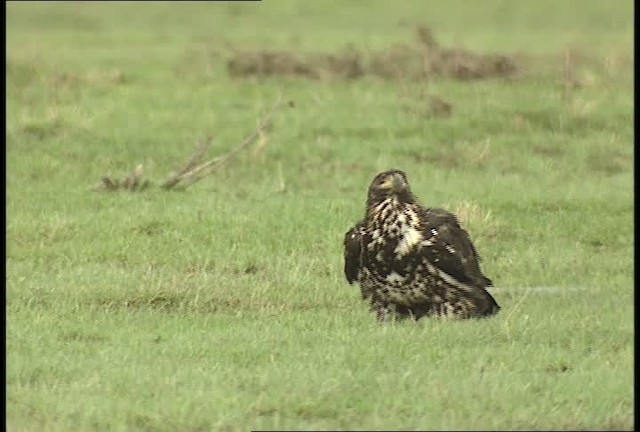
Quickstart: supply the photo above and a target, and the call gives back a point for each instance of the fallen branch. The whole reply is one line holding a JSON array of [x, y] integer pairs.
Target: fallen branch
[[192, 175], [192, 170], [175, 177]]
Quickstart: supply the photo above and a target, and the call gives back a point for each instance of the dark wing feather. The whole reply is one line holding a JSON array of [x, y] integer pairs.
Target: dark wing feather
[[452, 250], [352, 251]]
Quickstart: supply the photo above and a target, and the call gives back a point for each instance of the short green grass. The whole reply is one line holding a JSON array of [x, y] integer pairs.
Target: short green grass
[[223, 306]]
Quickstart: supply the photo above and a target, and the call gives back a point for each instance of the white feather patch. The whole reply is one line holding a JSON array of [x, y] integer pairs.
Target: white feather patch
[[394, 278], [410, 238], [449, 279]]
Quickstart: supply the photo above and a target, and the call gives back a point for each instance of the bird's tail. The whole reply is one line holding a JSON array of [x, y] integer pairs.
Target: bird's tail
[[489, 305]]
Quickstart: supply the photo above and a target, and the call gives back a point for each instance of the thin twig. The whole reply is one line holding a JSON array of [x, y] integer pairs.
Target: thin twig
[[266, 120], [199, 172], [175, 177], [191, 172], [507, 321], [207, 168]]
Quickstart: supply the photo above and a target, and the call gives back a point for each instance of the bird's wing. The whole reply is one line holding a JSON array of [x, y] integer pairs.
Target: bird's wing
[[352, 251], [451, 249]]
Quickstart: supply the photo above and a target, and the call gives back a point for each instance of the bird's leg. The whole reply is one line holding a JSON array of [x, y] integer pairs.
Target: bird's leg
[[383, 312], [389, 312]]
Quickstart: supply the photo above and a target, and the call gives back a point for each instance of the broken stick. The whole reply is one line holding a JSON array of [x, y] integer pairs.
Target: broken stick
[[193, 174]]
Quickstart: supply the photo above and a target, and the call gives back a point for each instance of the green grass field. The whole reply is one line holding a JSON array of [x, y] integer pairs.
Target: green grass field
[[223, 306]]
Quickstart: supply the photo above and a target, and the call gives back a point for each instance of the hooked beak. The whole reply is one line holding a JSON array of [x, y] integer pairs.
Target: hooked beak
[[394, 183], [398, 183]]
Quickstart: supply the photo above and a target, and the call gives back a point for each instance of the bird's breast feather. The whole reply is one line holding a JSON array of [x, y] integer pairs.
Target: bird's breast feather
[[409, 238]]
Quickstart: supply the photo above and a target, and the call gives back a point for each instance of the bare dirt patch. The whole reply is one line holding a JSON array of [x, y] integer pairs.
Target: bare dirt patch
[[346, 64], [423, 59]]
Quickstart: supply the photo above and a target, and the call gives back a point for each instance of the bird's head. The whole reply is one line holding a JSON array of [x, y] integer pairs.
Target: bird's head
[[389, 184]]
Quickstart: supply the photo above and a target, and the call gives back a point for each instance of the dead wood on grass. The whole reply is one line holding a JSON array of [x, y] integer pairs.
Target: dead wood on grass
[[192, 170]]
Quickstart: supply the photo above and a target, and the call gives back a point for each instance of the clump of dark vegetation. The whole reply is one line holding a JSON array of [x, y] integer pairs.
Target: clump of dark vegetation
[[346, 64], [421, 60], [132, 182]]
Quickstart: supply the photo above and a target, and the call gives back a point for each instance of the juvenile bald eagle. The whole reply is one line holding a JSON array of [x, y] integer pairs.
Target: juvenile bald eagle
[[412, 261]]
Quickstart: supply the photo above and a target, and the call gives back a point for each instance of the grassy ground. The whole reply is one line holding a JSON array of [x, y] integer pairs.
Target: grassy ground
[[223, 307]]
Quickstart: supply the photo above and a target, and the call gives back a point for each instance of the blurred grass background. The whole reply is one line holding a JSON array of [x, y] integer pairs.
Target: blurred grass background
[[223, 306]]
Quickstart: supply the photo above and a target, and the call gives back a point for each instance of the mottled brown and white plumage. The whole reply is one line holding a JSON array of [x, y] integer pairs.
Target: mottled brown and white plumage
[[412, 261]]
